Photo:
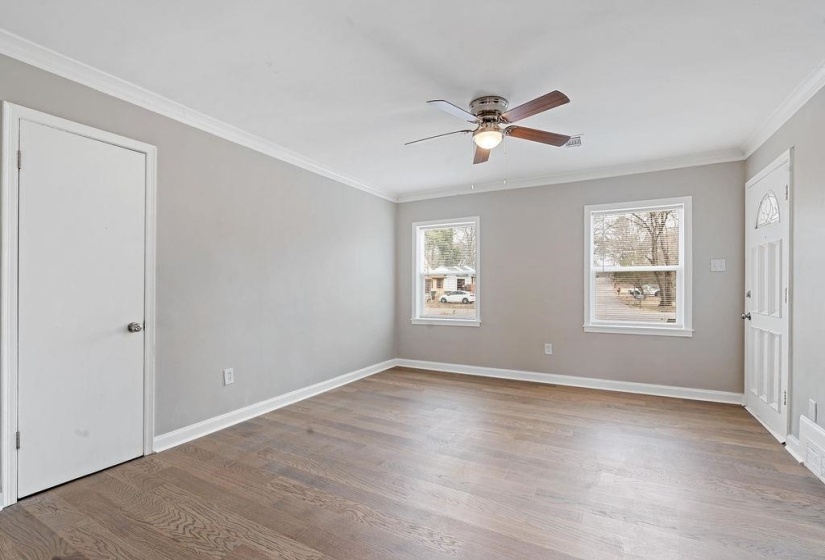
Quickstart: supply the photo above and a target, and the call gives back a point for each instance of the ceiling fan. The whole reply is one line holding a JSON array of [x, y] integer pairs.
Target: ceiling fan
[[495, 121]]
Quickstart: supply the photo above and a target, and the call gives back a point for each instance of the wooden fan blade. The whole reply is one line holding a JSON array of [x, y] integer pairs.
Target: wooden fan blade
[[481, 155], [536, 106], [537, 135], [437, 136], [453, 110]]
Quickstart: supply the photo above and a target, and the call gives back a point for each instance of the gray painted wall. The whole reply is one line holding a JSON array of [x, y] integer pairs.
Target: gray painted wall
[[805, 132], [280, 273], [532, 258]]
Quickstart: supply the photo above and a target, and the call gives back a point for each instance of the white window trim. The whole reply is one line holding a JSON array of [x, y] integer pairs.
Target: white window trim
[[684, 304], [417, 279]]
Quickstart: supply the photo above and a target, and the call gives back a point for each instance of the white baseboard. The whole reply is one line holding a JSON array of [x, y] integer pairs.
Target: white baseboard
[[812, 446], [194, 431], [200, 429], [793, 447], [586, 382]]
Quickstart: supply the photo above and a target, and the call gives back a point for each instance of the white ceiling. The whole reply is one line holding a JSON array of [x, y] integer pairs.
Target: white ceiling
[[344, 82]]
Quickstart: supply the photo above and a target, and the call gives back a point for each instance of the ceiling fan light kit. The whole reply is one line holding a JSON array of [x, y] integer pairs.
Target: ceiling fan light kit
[[494, 121], [487, 136]]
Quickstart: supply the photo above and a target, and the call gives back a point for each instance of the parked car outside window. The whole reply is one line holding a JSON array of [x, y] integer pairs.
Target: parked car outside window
[[651, 290], [458, 296]]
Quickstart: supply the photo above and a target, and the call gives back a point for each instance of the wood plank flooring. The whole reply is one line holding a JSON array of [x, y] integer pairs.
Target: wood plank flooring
[[411, 464]]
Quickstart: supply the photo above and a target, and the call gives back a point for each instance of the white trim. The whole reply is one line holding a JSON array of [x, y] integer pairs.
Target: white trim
[[51, 61], [46, 59], [195, 431], [8, 311], [784, 157], [417, 286], [803, 93], [654, 204], [812, 446], [684, 304], [793, 447], [445, 322], [12, 115], [584, 382], [667, 164], [150, 300], [619, 329]]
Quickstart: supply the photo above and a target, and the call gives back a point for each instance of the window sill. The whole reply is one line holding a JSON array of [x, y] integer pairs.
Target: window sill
[[446, 322], [650, 331]]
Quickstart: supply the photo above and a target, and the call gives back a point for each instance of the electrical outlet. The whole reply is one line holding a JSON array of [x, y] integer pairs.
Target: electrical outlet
[[228, 376], [548, 348], [812, 409]]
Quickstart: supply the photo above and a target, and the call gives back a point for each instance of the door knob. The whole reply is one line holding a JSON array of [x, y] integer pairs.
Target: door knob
[[134, 327], [746, 316]]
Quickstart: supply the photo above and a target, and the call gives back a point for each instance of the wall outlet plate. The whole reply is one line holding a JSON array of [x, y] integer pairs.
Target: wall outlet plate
[[548, 348], [228, 376]]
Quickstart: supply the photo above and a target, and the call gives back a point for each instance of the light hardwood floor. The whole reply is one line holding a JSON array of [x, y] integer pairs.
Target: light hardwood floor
[[409, 464]]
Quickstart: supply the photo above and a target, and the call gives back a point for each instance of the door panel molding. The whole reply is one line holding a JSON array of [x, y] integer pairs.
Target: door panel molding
[[9, 198]]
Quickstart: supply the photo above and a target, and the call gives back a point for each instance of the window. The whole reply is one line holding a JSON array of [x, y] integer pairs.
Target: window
[[768, 212], [638, 257], [445, 272]]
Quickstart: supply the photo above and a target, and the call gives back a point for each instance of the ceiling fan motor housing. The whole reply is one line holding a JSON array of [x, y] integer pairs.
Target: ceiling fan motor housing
[[489, 108]]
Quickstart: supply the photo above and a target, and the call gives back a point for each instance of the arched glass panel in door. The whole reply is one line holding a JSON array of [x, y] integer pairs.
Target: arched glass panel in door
[[768, 212]]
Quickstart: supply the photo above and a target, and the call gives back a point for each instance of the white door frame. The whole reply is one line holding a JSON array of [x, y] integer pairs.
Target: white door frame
[[9, 184], [786, 157]]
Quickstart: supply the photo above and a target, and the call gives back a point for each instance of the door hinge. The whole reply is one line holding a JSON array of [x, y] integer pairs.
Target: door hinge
[[17, 440], [785, 398], [786, 295], [787, 188], [19, 159]]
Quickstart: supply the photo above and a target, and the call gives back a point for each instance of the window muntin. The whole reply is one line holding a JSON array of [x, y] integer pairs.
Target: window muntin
[[638, 261], [445, 272]]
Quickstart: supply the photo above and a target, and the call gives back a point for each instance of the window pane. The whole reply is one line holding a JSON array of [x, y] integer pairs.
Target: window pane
[[449, 272], [768, 212], [641, 238], [636, 297]]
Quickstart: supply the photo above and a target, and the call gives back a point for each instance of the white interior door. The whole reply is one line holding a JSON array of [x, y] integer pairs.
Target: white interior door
[[767, 224], [80, 283]]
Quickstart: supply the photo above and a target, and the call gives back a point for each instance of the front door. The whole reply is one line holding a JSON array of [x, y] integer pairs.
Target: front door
[[767, 259], [80, 283]]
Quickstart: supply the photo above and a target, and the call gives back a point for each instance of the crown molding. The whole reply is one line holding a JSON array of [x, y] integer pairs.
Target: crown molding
[[692, 160], [51, 61], [46, 59], [803, 93]]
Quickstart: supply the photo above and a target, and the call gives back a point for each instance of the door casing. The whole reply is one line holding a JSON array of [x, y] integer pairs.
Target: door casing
[[9, 182]]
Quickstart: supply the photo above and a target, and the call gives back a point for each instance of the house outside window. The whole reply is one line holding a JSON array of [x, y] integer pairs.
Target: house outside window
[[446, 272], [638, 267]]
